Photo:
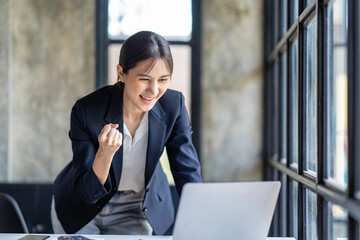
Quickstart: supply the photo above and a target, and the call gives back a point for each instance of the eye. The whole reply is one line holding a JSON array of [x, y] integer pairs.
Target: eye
[[144, 79], [163, 79]]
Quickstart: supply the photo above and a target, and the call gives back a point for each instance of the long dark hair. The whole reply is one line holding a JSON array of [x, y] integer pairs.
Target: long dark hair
[[142, 46]]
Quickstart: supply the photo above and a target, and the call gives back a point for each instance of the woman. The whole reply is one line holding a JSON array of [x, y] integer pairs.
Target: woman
[[115, 183]]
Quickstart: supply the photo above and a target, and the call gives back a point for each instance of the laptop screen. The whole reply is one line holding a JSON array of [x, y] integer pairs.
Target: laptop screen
[[232, 210]]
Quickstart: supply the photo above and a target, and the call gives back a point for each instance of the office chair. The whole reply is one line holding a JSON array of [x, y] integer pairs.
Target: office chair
[[11, 218]]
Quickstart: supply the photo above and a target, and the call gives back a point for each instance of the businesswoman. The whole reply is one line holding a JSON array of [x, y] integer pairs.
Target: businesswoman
[[114, 183]]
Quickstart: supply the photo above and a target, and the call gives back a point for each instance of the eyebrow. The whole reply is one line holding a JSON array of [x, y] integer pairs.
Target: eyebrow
[[146, 75]]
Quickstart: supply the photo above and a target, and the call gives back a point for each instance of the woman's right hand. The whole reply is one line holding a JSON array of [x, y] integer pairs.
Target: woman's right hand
[[110, 140]]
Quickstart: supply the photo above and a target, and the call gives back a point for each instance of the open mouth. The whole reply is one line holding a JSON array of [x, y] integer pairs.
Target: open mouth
[[147, 99]]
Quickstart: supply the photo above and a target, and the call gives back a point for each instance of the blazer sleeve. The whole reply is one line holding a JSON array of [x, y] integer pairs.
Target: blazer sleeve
[[183, 159], [84, 150]]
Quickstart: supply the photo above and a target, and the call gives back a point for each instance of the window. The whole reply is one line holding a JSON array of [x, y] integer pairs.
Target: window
[[310, 215], [283, 204], [293, 104], [337, 92], [282, 17], [306, 2], [283, 107], [293, 10], [337, 217], [293, 209], [312, 126], [310, 97], [171, 19]]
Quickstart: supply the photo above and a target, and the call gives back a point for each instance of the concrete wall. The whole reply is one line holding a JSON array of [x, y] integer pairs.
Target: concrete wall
[[232, 89], [51, 64], [4, 83]]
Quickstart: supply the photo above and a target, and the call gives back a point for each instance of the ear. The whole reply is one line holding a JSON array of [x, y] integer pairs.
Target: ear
[[121, 75]]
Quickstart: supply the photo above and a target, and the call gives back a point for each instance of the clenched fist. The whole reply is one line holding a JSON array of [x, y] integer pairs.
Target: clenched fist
[[110, 140]]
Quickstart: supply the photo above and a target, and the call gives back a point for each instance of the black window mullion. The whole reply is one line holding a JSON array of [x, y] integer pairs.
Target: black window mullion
[[326, 96], [301, 130], [272, 109], [268, 30], [301, 212], [276, 219], [321, 123], [289, 136], [283, 205], [268, 130], [196, 74], [101, 43], [289, 208], [276, 20], [322, 220], [301, 96], [282, 18], [267, 122], [353, 229], [276, 117], [353, 97], [353, 109], [288, 109]]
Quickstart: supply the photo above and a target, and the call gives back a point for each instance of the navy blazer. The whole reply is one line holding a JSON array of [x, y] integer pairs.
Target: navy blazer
[[78, 193]]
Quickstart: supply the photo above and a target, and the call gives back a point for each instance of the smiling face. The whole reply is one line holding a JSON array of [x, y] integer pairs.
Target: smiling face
[[143, 85]]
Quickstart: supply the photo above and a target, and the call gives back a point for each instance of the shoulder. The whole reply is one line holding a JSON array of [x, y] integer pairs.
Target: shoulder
[[172, 99], [97, 100], [100, 94], [172, 104]]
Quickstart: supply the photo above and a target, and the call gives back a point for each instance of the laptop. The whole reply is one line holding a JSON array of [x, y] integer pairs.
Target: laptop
[[222, 211]]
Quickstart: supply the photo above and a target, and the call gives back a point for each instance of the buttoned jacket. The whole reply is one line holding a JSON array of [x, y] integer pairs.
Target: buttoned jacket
[[78, 193]]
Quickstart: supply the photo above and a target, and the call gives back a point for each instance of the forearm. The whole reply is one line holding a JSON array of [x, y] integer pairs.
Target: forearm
[[101, 165]]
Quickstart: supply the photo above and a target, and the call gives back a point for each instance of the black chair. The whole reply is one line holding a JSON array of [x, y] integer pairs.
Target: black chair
[[34, 200], [11, 218]]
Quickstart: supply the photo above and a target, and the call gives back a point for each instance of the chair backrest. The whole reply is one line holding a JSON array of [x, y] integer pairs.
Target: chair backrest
[[11, 218], [34, 200]]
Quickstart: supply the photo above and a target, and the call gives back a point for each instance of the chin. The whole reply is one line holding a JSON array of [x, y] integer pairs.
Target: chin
[[146, 108]]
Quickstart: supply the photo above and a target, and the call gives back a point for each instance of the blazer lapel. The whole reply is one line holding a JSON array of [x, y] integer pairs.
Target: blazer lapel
[[157, 129], [115, 115]]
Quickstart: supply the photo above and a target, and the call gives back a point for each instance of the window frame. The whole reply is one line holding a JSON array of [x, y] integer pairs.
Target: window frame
[[326, 192]]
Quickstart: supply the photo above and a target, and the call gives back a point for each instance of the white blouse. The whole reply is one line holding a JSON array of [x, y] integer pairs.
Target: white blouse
[[134, 157]]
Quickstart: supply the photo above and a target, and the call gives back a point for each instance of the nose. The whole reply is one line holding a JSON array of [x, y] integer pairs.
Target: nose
[[153, 88]]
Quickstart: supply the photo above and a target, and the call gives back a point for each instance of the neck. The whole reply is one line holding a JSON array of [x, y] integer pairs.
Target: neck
[[131, 113]]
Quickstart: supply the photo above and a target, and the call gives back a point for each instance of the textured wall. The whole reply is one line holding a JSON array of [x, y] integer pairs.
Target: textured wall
[[232, 90], [4, 76], [52, 63]]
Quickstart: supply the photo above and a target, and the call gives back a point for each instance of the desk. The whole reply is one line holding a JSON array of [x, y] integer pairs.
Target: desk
[[8, 236]]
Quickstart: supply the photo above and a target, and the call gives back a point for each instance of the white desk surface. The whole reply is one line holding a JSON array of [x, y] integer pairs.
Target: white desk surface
[[12, 236]]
